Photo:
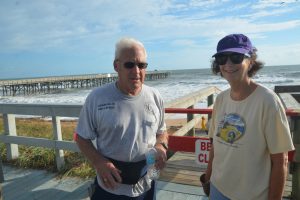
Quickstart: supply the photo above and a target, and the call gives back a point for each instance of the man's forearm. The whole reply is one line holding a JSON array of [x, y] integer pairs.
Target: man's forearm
[[162, 138], [89, 151]]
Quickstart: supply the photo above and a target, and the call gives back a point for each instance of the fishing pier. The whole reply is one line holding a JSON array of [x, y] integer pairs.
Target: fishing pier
[[54, 84]]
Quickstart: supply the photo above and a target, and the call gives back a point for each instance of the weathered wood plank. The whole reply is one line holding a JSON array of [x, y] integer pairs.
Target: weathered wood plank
[[286, 88], [25, 184], [40, 142], [188, 126], [64, 110], [182, 169]]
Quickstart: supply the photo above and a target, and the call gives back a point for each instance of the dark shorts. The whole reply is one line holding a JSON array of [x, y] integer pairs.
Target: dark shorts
[[101, 194]]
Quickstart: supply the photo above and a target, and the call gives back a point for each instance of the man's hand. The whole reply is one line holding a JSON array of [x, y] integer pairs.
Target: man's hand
[[161, 158], [109, 174]]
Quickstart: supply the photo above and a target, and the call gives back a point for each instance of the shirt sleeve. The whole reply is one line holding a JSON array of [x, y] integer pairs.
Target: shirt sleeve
[[277, 131], [86, 127]]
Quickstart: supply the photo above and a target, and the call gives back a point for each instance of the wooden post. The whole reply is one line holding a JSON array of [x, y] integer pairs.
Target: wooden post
[[10, 129], [190, 117], [59, 154], [210, 101], [295, 169], [1, 172]]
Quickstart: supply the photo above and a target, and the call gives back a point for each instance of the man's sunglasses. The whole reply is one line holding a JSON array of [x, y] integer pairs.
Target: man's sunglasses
[[236, 58], [130, 65]]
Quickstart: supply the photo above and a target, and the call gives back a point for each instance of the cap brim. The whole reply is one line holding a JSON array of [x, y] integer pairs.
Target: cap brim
[[234, 50]]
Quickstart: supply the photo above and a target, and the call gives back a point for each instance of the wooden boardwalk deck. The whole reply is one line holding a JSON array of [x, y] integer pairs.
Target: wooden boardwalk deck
[[182, 169], [28, 184], [178, 181], [25, 184]]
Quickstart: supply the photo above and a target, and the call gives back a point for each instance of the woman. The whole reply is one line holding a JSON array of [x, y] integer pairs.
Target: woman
[[249, 129]]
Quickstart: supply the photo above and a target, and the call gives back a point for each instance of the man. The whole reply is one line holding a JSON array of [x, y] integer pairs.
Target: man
[[126, 118]]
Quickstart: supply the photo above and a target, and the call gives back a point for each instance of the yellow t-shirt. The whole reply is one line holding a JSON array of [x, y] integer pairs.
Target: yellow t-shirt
[[245, 133]]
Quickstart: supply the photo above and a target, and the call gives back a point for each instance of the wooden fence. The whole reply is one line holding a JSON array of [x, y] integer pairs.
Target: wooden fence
[[56, 111]]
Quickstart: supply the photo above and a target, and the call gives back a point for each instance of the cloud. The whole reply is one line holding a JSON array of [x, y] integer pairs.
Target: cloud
[[77, 27], [280, 54], [46, 24], [266, 4]]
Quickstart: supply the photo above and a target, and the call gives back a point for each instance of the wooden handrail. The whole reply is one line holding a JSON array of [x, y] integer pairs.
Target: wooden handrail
[[288, 112]]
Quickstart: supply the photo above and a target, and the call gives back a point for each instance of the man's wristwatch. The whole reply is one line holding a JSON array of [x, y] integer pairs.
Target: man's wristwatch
[[164, 145]]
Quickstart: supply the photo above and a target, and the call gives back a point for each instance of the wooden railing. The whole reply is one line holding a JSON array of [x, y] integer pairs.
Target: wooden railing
[[56, 111], [12, 140]]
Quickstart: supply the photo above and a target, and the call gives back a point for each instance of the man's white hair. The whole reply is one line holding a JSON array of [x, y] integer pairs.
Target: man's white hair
[[127, 43]]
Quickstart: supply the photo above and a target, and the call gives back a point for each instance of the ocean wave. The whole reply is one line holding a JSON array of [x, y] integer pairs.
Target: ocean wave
[[295, 74], [178, 84]]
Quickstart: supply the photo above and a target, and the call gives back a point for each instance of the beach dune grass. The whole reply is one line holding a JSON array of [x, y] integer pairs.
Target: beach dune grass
[[44, 158]]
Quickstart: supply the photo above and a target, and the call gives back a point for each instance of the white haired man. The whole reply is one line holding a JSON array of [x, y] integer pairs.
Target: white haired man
[[126, 118]]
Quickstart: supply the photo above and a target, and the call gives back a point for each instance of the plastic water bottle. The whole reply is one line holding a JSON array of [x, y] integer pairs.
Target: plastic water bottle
[[152, 171]]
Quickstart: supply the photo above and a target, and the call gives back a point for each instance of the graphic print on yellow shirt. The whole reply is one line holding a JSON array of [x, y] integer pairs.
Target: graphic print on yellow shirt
[[232, 128]]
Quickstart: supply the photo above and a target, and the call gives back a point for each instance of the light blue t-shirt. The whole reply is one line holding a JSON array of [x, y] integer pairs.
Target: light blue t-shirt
[[124, 126]]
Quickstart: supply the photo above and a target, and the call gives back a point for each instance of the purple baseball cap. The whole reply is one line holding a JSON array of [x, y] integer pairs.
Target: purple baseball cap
[[238, 43]]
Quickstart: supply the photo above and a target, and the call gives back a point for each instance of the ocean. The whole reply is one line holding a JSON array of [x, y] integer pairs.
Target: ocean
[[178, 84]]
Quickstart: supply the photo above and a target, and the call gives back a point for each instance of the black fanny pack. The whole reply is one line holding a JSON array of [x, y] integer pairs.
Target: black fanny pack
[[131, 172]]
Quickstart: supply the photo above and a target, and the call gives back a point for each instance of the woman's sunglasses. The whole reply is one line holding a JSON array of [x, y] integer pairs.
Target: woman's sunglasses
[[130, 65], [236, 58]]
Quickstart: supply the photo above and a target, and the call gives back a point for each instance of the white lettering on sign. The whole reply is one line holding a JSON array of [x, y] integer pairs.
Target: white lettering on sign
[[202, 152]]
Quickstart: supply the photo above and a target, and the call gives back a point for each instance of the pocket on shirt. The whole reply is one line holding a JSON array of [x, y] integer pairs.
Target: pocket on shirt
[[149, 131]]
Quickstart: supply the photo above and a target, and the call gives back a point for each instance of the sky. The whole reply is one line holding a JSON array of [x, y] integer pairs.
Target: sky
[[66, 37]]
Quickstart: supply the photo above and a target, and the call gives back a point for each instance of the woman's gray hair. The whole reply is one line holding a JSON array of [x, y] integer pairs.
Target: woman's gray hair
[[127, 43]]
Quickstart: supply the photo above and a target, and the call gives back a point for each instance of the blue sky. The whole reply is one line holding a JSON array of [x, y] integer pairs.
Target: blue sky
[[66, 37]]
